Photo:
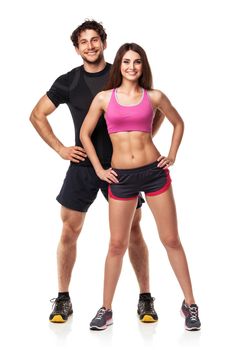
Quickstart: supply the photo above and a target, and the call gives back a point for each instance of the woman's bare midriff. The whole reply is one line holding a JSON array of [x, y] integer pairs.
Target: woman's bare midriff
[[132, 149]]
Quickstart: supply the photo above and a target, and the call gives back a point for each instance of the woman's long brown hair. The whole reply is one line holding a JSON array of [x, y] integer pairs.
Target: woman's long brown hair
[[115, 77]]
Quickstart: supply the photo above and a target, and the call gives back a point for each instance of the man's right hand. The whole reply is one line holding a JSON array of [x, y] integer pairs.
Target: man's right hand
[[73, 153]]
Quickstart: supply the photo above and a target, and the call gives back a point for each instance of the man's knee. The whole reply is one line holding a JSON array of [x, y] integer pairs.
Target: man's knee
[[136, 221], [72, 225]]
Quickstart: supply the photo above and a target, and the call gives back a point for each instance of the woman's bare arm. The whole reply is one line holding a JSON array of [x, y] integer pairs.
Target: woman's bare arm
[[162, 102], [88, 126]]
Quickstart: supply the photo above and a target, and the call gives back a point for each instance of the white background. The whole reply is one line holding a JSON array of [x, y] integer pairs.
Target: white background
[[194, 51]]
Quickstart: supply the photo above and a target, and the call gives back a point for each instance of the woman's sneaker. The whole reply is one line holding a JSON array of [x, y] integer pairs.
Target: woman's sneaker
[[192, 322], [146, 309], [62, 309], [102, 319]]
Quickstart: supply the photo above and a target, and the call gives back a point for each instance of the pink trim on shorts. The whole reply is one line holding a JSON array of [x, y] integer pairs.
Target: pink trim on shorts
[[164, 188], [119, 198]]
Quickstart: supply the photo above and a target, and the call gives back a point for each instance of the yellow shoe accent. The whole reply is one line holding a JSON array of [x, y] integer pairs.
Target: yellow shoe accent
[[57, 319], [148, 318]]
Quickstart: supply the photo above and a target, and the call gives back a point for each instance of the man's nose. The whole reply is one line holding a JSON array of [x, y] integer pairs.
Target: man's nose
[[90, 45]]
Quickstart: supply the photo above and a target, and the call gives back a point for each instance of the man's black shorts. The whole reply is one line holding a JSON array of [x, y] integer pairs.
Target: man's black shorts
[[80, 188]]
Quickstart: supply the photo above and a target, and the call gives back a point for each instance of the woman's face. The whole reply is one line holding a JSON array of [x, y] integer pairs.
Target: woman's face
[[131, 66]]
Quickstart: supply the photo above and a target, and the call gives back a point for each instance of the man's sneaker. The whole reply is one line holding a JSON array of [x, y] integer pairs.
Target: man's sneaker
[[62, 309], [146, 309], [102, 319], [192, 322]]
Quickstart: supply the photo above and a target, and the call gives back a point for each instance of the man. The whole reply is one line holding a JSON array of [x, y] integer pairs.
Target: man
[[77, 88]]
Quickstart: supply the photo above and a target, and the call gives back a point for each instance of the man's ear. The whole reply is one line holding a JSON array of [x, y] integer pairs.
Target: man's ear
[[77, 50]]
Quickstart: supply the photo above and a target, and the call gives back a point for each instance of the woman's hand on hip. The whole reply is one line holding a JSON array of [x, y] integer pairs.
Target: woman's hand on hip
[[108, 175], [165, 162]]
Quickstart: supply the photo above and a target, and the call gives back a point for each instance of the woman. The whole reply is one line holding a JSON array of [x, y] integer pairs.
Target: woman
[[129, 103]]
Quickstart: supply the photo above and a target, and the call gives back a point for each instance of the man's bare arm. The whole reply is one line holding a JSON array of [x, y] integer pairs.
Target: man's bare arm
[[39, 119]]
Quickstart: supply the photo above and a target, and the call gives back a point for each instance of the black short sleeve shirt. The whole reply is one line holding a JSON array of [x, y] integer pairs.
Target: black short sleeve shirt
[[77, 89]]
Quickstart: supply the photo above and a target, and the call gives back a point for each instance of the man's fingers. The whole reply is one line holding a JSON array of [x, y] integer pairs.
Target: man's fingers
[[74, 160], [78, 157], [80, 153], [78, 148]]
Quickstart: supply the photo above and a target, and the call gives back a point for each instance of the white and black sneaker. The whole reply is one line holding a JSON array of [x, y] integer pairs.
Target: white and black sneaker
[[190, 313], [102, 320]]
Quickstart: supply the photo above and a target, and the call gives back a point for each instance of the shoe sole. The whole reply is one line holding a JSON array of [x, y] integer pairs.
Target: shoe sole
[[59, 319], [148, 319], [187, 328], [96, 328]]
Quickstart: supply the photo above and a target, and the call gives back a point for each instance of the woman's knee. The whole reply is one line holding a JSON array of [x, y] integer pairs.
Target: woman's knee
[[117, 247], [172, 242]]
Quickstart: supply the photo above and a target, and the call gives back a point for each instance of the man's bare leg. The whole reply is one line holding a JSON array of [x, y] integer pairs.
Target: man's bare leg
[[138, 253], [66, 255], [139, 257]]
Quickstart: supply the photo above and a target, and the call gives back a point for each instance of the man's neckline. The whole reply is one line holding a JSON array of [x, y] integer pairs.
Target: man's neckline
[[96, 74]]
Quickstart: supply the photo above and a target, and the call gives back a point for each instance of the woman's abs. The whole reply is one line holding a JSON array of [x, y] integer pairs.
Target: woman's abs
[[133, 150]]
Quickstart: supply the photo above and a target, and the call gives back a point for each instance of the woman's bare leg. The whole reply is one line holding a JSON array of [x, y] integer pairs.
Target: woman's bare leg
[[164, 211], [121, 214]]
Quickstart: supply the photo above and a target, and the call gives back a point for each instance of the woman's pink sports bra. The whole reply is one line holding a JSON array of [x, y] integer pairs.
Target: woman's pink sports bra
[[138, 117]]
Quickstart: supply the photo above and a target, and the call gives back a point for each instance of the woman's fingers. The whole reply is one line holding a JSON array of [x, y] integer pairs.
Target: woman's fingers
[[164, 162]]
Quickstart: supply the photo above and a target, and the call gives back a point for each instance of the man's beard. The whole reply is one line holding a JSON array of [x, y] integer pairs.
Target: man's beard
[[97, 61]]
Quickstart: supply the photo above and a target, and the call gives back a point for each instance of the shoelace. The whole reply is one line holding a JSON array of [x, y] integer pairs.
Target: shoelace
[[149, 304], [100, 314], [193, 313], [58, 303]]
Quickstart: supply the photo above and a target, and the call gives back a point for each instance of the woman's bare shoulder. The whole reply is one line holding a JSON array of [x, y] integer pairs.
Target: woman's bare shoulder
[[103, 96], [155, 96]]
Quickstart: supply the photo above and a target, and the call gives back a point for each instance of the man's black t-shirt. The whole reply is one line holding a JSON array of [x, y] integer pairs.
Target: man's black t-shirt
[[77, 89]]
